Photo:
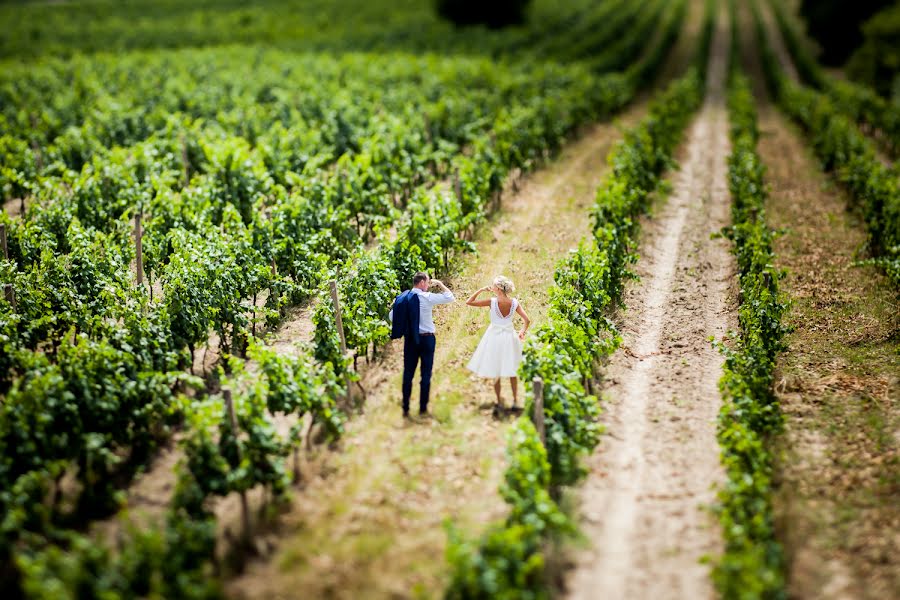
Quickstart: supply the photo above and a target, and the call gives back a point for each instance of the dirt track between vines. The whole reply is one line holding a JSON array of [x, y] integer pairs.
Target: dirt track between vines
[[642, 506]]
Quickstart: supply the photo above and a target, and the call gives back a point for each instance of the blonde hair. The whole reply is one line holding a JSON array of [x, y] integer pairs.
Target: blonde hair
[[504, 284]]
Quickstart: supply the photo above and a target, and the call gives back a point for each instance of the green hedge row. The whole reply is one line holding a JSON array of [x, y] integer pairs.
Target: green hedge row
[[752, 564], [848, 154], [858, 102], [508, 561]]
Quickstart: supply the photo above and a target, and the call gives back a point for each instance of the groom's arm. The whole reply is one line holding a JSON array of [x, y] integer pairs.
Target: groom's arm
[[446, 296]]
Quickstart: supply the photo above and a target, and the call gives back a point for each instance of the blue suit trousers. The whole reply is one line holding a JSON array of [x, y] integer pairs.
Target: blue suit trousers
[[413, 353]]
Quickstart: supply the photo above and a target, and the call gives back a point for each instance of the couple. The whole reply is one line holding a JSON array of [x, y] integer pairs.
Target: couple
[[498, 354]]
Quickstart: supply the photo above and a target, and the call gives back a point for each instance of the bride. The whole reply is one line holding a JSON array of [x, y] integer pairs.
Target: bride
[[500, 350]]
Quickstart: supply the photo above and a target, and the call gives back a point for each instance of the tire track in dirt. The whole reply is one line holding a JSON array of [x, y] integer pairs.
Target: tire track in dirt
[[369, 524], [642, 507]]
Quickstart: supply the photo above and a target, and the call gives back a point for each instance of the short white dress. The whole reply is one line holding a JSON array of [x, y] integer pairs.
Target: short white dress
[[500, 350]]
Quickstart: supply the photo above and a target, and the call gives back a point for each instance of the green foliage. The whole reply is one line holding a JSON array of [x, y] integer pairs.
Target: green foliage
[[752, 565], [876, 63], [171, 563], [860, 103], [496, 14], [835, 24], [851, 157]]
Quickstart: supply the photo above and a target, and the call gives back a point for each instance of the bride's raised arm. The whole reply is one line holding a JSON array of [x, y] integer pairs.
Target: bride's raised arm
[[473, 299]]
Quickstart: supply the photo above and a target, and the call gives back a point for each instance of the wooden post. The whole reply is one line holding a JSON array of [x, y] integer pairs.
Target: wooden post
[[538, 387], [427, 123], [3, 241], [269, 219], [339, 323], [245, 510], [184, 161], [10, 294], [457, 184], [138, 233], [253, 318], [337, 316]]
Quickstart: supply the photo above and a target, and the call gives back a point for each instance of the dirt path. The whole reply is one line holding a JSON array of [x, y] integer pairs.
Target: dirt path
[[371, 525], [14, 207], [642, 506]]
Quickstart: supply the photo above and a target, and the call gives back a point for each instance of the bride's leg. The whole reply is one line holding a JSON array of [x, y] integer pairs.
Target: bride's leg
[[497, 390], [514, 382]]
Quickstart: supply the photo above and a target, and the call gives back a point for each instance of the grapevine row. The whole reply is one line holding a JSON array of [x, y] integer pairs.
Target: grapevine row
[[753, 562], [846, 152], [858, 102]]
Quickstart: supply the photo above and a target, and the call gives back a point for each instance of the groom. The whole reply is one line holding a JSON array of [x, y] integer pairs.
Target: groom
[[411, 319]]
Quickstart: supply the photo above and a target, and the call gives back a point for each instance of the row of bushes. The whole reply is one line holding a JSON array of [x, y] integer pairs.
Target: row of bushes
[[752, 564], [858, 102], [508, 561], [848, 154]]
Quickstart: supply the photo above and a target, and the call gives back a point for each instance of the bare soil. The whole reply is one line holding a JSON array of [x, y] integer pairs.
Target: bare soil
[[643, 505], [14, 206], [369, 521]]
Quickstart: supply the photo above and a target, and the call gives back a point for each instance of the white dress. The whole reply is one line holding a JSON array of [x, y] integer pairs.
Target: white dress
[[500, 350]]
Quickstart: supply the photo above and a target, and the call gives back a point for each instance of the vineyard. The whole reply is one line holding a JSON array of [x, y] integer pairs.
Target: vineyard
[[209, 207]]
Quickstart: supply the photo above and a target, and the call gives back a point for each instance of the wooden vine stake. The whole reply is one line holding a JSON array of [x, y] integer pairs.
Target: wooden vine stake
[[10, 294], [3, 241], [339, 323], [184, 161], [427, 123], [538, 387], [245, 510], [139, 250]]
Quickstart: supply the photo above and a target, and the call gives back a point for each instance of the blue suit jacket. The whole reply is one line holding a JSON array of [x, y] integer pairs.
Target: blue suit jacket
[[406, 316]]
